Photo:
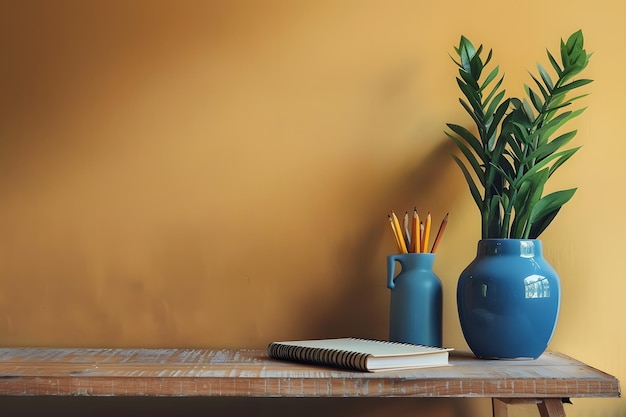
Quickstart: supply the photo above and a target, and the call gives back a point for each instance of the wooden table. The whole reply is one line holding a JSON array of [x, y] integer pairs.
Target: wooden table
[[250, 373]]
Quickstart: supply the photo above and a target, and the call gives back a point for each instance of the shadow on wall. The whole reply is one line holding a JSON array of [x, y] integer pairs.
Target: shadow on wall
[[360, 304], [187, 407]]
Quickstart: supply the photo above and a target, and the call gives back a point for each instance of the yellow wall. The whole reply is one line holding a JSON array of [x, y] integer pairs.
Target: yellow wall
[[218, 173]]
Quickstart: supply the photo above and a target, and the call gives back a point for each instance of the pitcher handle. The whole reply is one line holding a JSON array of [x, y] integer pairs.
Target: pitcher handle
[[391, 270]]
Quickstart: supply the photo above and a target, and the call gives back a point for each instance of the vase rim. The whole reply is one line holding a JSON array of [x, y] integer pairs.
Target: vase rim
[[413, 253], [521, 247], [508, 238]]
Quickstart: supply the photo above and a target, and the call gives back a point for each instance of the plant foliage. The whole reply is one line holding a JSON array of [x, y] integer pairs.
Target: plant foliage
[[513, 151]]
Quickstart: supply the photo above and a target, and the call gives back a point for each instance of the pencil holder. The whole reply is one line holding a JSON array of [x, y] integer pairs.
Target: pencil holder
[[415, 314]]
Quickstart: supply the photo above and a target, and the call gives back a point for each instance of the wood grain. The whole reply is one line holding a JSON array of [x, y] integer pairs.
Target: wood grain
[[250, 373]]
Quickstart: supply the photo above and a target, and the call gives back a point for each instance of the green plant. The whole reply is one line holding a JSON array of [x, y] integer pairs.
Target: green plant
[[512, 155]]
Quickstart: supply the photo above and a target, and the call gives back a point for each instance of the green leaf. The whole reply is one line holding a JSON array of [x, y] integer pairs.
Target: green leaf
[[493, 214], [472, 97], [471, 112], [574, 84], [528, 110], [506, 167], [502, 171], [469, 138], [494, 183], [544, 92], [454, 59], [551, 201], [571, 100], [555, 64], [493, 103], [550, 147], [495, 122], [536, 184], [517, 121], [556, 106], [470, 93], [488, 56], [565, 155], [466, 51], [490, 97], [575, 41], [470, 182], [521, 200], [495, 95], [523, 195], [545, 77], [523, 209], [521, 134], [492, 75], [541, 224], [573, 56], [476, 65], [470, 158], [544, 211], [470, 81], [539, 165], [516, 150], [553, 125], [534, 98]]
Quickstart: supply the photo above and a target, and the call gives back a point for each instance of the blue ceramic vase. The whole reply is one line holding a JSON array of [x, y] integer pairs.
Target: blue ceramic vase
[[508, 300], [416, 300]]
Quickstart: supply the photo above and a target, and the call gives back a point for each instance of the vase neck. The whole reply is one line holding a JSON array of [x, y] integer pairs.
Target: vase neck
[[525, 248], [415, 260]]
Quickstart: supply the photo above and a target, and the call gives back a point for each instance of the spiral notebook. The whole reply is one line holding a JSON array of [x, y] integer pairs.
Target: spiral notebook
[[360, 354]]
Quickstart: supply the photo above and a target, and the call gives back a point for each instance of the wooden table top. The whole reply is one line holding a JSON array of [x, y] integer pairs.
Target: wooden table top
[[250, 373]]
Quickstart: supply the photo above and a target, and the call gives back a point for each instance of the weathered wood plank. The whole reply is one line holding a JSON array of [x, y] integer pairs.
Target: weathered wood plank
[[237, 372], [551, 407]]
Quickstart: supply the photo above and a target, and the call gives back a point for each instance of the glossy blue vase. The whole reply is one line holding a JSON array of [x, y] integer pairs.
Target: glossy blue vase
[[416, 300], [508, 300]]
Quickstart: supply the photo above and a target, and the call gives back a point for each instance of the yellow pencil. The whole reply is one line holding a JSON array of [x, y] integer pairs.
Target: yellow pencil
[[426, 233], [407, 232], [395, 233], [416, 237], [442, 227], [396, 225]]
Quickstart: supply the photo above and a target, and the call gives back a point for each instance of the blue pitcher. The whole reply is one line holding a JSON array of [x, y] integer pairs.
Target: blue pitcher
[[416, 300]]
